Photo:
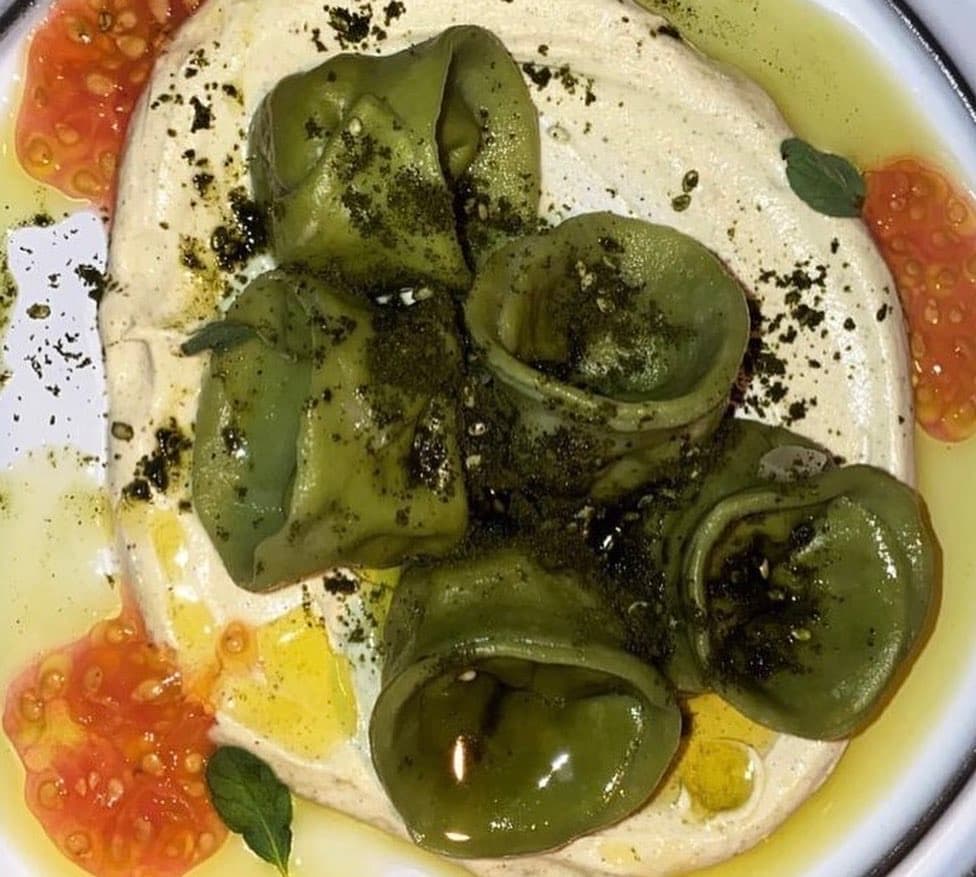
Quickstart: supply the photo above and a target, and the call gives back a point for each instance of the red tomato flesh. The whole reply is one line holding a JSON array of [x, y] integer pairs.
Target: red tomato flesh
[[115, 752], [86, 67], [926, 231]]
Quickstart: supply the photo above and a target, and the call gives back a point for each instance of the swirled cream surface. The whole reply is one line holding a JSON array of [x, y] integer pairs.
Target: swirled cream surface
[[633, 121]]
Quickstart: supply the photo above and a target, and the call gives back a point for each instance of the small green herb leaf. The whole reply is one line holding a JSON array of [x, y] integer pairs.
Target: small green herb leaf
[[252, 802], [221, 336], [829, 183]]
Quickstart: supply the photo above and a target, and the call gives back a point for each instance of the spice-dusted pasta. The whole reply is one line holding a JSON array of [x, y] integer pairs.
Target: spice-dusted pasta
[[323, 435], [615, 341], [398, 169], [743, 454], [512, 718], [809, 595]]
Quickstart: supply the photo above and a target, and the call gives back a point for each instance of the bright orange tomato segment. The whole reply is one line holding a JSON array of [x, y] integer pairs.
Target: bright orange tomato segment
[[115, 752], [926, 230], [86, 67]]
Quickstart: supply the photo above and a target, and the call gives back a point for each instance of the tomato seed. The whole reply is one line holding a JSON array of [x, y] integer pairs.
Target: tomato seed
[[30, 707], [78, 843], [51, 795]]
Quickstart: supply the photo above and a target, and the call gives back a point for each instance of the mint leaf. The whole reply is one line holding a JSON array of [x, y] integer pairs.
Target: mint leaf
[[829, 183], [252, 802], [220, 337]]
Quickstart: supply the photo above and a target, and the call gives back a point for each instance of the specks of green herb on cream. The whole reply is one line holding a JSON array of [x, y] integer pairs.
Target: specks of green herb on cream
[[202, 115], [539, 74], [350, 28], [158, 469]]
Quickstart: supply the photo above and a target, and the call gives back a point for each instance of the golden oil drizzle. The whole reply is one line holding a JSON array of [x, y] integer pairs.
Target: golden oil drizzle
[[298, 692], [715, 768], [829, 84]]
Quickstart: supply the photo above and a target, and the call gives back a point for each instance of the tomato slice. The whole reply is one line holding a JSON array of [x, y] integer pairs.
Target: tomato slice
[[926, 231], [86, 67], [115, 752]]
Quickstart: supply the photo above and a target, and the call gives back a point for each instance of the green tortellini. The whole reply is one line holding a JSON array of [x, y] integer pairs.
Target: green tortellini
[[616, 343], [511, 718], [326, 433], [397, 170], [742, 454], [811, 594]]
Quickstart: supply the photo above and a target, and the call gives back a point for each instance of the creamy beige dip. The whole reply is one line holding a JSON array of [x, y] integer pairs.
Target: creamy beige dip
[[635, 112]]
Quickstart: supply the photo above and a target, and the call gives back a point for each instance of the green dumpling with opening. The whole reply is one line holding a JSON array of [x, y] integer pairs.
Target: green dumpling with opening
[[613, 344], [511, 718], [742, 454], [812, 594]]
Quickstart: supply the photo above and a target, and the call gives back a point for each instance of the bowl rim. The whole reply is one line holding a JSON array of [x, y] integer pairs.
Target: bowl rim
[[12, 13], [965, 91]]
